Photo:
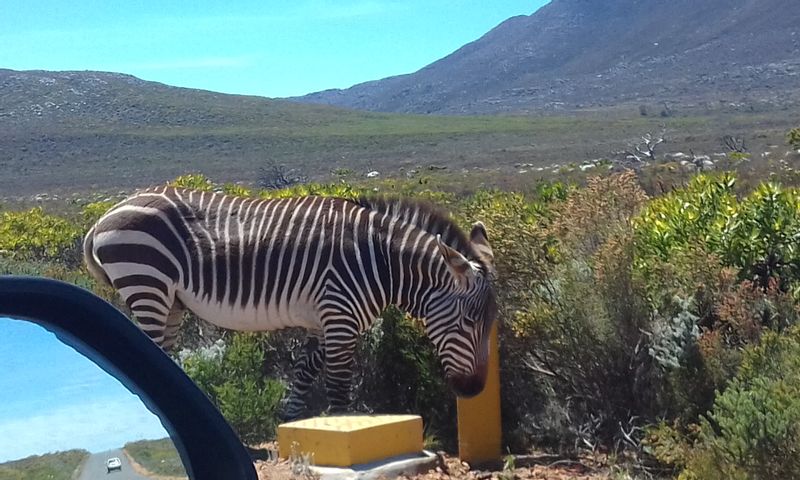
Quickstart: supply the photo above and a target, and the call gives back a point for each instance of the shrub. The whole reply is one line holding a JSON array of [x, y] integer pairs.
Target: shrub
[[756, 236], [36, 235], [195, 181], [583, 320], [232, 376], [761, 237], [236, 190], [689, 218], [753, 430], [521, 247], [793, 138], [92, 212]]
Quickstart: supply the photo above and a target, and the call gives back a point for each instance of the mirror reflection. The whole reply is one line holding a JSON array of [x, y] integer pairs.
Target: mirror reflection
[[62, 416]]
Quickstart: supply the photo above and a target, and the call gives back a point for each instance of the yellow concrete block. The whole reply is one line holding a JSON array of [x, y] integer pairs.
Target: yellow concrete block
[[479, 426], [342, 441]]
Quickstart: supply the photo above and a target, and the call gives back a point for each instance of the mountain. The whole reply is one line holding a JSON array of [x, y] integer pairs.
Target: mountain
[[78, 131], [86, 99], [587, 53]]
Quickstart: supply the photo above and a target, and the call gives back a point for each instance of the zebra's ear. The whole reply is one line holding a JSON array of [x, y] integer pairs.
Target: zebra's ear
[[480, 241], [458, 263]]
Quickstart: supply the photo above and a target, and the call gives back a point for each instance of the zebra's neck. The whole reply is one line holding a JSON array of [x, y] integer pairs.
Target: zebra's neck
[[416, 270]]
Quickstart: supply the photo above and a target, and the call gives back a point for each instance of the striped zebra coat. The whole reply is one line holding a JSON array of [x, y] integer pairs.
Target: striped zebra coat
[[328, 265]]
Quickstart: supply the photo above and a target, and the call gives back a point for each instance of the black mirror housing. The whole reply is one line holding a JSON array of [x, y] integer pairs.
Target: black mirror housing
[[209, 448]]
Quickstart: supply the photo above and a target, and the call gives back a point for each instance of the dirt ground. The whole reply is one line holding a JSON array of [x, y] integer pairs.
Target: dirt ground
[[529, 467]]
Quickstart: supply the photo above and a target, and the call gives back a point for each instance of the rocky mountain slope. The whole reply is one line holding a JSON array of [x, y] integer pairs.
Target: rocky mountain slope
[[588, 53]]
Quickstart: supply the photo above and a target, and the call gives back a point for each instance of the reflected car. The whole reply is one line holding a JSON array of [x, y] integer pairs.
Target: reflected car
[[113, 464]]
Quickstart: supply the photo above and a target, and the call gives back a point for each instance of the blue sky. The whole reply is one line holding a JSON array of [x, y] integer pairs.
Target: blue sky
[[276, 48], [54, 399]]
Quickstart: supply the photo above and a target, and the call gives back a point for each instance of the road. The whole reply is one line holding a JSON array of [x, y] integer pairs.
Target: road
[[95, 468]]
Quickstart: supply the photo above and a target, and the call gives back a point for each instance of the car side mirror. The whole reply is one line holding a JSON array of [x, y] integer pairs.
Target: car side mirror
[[208, 447], [63, 414]]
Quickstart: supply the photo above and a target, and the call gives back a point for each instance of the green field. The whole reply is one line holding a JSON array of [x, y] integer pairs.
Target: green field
[[134, 140]]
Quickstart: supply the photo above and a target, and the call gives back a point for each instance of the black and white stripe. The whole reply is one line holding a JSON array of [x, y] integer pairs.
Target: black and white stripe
[[328, 265]]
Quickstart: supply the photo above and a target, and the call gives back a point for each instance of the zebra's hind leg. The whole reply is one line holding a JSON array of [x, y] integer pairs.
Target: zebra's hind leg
[[152, 311], [174, 320], [306, 368]]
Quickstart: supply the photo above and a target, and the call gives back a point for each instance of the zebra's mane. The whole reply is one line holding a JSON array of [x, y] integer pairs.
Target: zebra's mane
[[426, 216]]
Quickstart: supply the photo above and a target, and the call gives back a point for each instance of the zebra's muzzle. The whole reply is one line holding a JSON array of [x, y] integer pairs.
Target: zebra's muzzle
[[467, 386]]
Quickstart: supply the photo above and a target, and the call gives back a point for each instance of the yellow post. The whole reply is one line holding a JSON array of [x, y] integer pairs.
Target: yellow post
[[479, 430]]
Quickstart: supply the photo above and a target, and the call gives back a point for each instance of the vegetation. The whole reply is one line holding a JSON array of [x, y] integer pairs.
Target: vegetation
[[51, 466], [158, 457], [232, 376], [398, 371], [664, 327], [793, 137], [143, 134], [36, 235]]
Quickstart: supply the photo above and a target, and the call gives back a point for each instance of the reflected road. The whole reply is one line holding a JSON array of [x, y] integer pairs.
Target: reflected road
[[95, 468]]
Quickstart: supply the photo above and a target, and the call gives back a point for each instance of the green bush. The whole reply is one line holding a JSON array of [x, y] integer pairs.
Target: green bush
[[36, 235], [579, 329], [753, 430], [616, 311], [521, 247], [236, 190], [232, 376], [760, 239], [756, 235], [92, 212], [686, 219], [195, 181]]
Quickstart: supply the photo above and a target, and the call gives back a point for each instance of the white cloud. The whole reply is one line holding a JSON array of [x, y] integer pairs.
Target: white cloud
[[97, 426]]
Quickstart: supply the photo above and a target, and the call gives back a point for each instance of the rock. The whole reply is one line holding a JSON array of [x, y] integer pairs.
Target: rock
[[676, 156]]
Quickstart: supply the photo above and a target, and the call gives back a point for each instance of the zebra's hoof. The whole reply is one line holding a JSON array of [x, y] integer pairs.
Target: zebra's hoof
[[284, 417]]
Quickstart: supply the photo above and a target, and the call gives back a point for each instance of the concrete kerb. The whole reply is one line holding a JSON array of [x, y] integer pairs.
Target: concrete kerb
[[383, 469]]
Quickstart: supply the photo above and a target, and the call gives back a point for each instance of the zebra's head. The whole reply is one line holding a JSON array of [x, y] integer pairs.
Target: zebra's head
[[459, 321]]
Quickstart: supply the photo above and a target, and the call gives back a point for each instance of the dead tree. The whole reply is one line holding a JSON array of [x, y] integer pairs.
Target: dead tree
[[735, 144], [276, 176], [645, 149]]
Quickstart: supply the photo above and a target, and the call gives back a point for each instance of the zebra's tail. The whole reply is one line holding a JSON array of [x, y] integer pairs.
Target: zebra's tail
[[91, 261]]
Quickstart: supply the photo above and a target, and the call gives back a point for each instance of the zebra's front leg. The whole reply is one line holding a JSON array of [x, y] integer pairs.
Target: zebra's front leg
[[306, 368], [339, 370]]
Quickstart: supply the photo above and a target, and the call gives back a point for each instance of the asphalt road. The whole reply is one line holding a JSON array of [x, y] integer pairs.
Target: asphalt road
[[95, 468]]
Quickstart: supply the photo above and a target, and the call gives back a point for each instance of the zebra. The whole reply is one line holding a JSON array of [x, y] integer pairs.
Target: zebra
[[328, 265]]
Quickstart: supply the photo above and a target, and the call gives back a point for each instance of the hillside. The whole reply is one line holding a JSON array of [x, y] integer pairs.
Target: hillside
[[50, 466], [66, 133], [77, 131], [574, 54]]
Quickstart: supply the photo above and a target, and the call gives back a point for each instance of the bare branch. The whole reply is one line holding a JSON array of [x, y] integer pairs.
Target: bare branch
[[275, 176], [532, 363], [735, 144]]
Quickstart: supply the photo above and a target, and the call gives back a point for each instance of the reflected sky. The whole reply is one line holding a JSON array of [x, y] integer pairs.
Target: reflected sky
[[52, 398]]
